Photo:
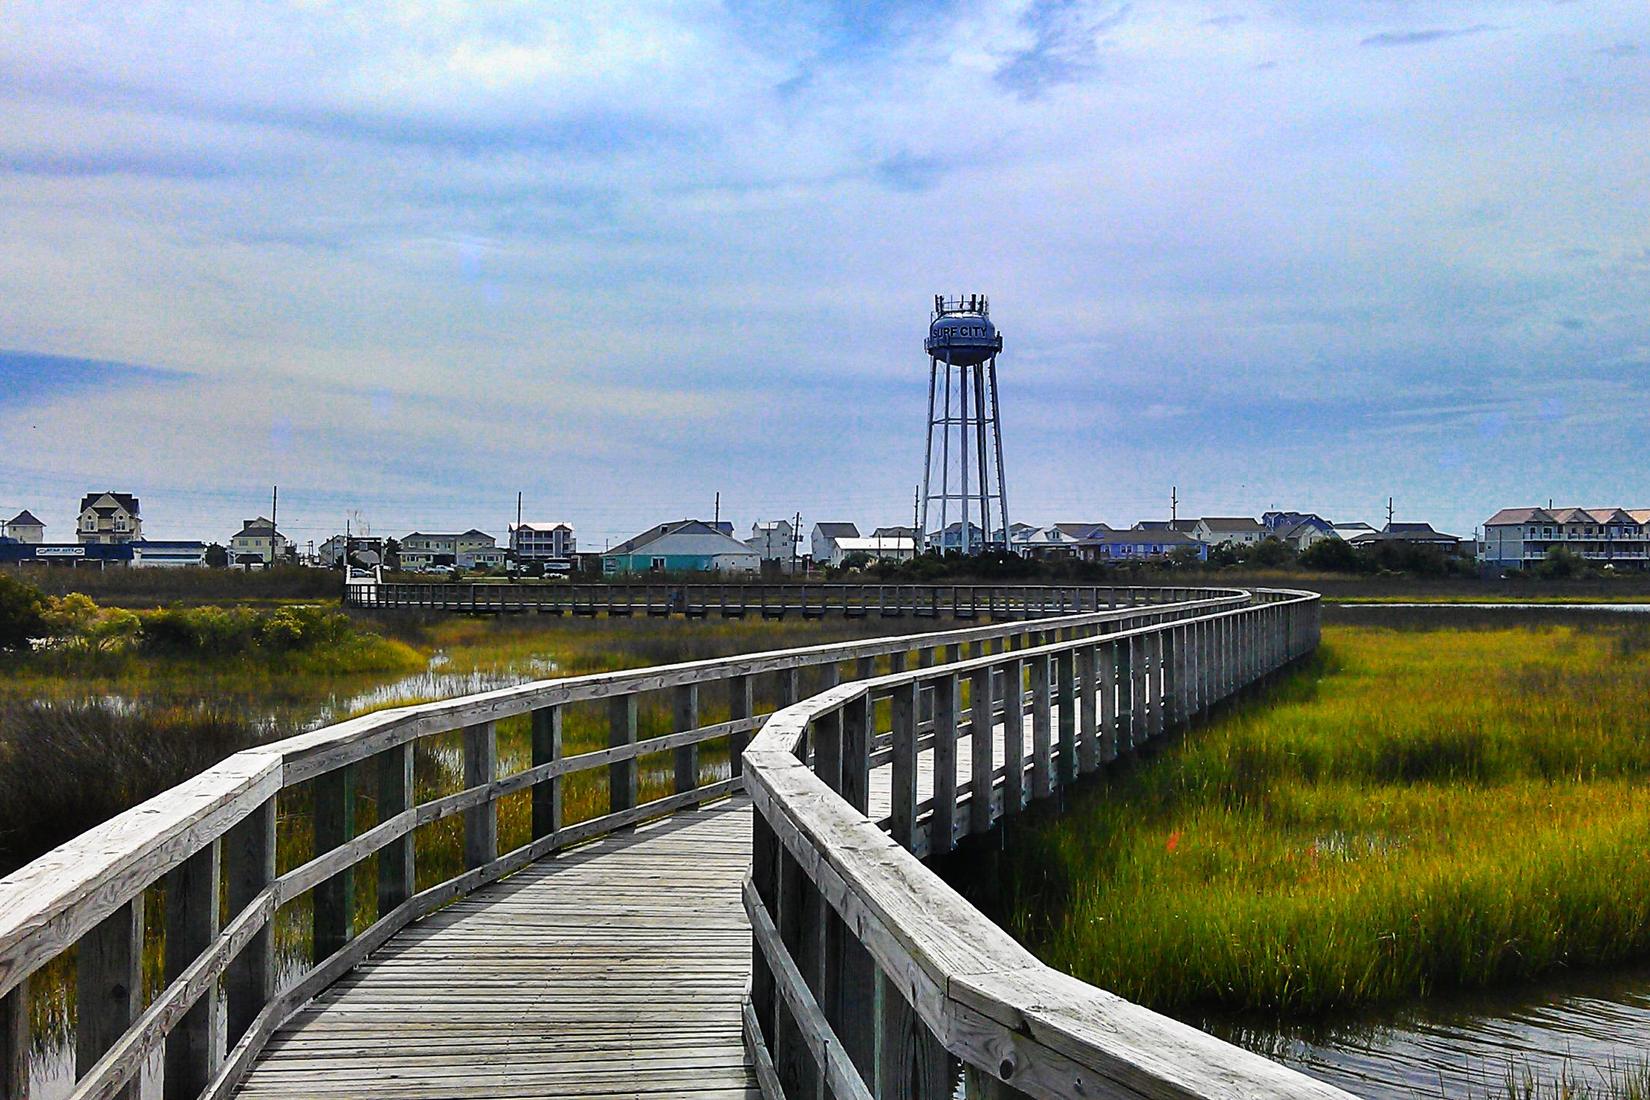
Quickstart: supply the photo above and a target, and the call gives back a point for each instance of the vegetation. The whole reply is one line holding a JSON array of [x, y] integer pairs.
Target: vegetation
[[22, 616], [1409, 811], [154, 587]]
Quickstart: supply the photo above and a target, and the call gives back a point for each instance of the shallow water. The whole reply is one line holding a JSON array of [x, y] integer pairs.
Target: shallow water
[[1466, 1045]]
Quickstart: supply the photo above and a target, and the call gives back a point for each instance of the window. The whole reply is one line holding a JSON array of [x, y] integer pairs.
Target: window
[[658, 564]]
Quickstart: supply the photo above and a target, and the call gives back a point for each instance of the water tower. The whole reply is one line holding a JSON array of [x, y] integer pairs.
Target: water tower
[[965, 440]]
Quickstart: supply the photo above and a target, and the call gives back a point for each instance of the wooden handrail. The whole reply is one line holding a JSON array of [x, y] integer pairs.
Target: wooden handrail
[[840, 907], [215, 834]]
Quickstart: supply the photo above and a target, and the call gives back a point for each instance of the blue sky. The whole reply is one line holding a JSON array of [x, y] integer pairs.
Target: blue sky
[[407, 261]]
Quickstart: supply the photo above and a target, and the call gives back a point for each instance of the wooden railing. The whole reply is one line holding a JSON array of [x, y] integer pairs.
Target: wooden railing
[[741, 600], [208, 846], [871, 977]]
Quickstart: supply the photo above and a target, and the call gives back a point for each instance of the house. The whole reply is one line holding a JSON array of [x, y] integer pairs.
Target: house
[[1300, 533], [108, 519], [24, 527], [1103, 544], [1351, 531], [950, 538], [257, 544], [364, 550], [548, 541], [1042, 542], [472, 549], [1416, 534], [1184, 526], [152, 554], [895, 533], [1517, 537], [1228, 530], [774, 540], [877, 548], [684, 546], [1277, 523], [823, 542]]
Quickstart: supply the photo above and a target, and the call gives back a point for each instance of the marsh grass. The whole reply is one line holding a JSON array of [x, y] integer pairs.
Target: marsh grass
[[1408, 811]]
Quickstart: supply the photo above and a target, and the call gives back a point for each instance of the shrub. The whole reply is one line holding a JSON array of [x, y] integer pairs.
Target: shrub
[[1332, 555], [21, 618]]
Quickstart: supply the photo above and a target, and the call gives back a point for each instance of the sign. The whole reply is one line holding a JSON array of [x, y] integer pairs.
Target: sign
[[59, 551]]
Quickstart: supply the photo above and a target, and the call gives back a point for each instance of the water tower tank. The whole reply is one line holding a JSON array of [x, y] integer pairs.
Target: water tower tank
[[962, 333]]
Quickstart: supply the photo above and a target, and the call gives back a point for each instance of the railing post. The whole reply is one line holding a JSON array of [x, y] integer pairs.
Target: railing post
[[904, 765], [192, 1053], [826, 734], [1088, 700], [1042, 755], [687, 756], [942, 824], [1066, 673], [1105, 661], [1014, 736], [1160, 682], [546, 793], [1123, 739], [857, 719], [740, 704], [334, 899], [249, 859], [793, 1061], [396, 872], [480, 769], [109, 988], [14, 1042], [765, 848], [981, 736], [621, 731], [911, 1062]]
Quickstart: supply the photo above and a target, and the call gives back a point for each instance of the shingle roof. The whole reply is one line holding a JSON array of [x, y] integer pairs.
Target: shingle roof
[[1167, 537], [1081, 530], [1232, 523], [25, 518], [837, 530], [125, 500], [637, 543]]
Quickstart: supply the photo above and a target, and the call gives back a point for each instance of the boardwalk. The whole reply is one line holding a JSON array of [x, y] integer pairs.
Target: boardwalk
[[617, 969]]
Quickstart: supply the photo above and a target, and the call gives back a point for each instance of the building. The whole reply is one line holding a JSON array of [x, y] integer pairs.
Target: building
[[366, 550], [897, 533], [823, 542], [100, 554], [684, 546], [1415, 534], [152, 554], [1352, 531], [257, 544], [876, 548], [470, 549], [24, 527], [1184, 526], [949, 539], [108, 519], [774, 540], [1101, 543], [540, 542], [1518, 537], [1228, 531], [1044, 542]]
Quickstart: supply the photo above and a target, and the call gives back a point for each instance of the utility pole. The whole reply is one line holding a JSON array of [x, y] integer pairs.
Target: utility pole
[[518, 507], [796, 539], [717, 517], [1174, 504], [916, 513], [274, 531], [1389, 513]]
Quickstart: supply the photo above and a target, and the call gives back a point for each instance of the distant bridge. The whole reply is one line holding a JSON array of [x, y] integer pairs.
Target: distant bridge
[[771, 932]]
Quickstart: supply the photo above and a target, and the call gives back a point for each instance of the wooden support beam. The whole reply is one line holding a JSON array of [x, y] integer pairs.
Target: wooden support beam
[[1067, 679], [981, 765], [333, 901], [903, 778], [686, 717], [1012, 686], [14, 1042], [109, 988], [942, 831], [397, 874], [249, 863], [740, 705], [1042, 738], [621, 730], [547, 810], [192, 1051], [480, 768]]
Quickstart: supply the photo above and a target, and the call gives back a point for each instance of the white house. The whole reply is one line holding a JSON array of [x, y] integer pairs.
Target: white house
[[257, 543], [825, 536], [24, 527], [470, 549], [107, 518], [774, 540], [1042, 542], [888, 548], [1223, 530], [149, 554], [548, 541]]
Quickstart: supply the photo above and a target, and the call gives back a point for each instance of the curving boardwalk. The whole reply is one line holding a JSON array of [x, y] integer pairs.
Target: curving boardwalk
[[615, 970]]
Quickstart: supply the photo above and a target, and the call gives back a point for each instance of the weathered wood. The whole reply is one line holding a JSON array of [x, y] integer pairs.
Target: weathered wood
[[192, 1053], [249, 861], [686, 712], [14, 1042], [904, 766], [980, 740], [1014, 749], [858, 717], [1042, 757], [942, 822], [480, 768], [1088, 697], [109, 987], [397, 873], [333, 901], [798, 1073], [621, 731], [547, 796], [911, 1061], [741, 704], [1065, 673], [826, 735]]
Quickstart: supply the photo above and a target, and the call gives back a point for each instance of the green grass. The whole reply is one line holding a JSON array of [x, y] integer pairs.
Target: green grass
[[1410, 811]]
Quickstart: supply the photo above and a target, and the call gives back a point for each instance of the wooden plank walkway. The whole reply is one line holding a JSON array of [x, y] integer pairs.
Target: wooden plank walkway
[[617, 969]]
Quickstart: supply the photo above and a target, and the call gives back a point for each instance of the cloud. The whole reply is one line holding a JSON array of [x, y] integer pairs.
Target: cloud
[[1421, 37], [1063, 49]]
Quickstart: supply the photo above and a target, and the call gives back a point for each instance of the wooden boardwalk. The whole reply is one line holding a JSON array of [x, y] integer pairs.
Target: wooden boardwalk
[[615, 970]]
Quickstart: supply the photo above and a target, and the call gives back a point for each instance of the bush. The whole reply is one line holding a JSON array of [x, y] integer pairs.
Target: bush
[[21, 613], [1332, 555]]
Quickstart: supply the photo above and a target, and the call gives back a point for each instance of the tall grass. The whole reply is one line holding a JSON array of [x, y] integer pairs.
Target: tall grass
[[1412, 810]]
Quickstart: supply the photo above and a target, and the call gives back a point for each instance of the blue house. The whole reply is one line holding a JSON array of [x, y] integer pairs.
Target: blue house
[[685, 546]]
